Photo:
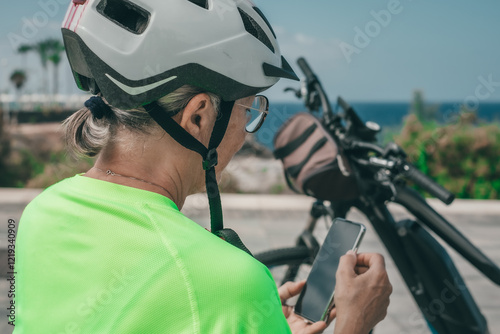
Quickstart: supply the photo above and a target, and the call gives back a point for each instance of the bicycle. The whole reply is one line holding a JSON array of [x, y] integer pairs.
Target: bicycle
[[381, 175]]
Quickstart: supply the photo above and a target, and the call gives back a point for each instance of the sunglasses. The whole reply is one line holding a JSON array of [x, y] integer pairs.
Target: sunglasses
[[256, 113]]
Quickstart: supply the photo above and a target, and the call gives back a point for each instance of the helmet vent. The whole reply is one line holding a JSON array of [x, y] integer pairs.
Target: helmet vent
[[265, 20], [255, 30], [126, 14], [201, 3]]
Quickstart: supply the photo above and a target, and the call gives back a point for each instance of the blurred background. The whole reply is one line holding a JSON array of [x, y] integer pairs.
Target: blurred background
[[427, 71]]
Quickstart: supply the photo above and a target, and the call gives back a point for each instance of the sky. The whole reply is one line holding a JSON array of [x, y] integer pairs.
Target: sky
[[378, 50]]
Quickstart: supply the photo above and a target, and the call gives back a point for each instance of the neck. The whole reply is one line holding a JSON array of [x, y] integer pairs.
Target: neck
[[147, 173]]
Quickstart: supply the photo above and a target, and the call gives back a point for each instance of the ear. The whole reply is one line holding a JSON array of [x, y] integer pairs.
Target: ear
[[198, 118]]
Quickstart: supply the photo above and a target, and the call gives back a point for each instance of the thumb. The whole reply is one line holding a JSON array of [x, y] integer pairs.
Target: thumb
[[290, 289], [347, 264]]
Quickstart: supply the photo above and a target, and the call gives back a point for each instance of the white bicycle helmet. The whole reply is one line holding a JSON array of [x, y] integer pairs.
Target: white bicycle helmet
[[136, 51]]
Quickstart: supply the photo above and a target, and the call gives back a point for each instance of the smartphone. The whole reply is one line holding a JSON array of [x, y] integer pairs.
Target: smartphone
[[316, 299]]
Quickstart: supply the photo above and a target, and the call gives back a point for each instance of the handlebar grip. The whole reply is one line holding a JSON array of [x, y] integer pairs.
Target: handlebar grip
[[433, 188], [304, 66], [343, 104]]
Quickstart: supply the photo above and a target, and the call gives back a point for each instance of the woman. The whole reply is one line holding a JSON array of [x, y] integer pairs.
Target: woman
[[109, 251]]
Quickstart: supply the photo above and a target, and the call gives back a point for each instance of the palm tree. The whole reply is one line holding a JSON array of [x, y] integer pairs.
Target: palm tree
[[18, 78], [54, 50], [24, 49], [41, 49], [48, 50]]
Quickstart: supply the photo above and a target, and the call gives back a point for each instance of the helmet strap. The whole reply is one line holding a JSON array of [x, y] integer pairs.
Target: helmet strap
[[209, 155]]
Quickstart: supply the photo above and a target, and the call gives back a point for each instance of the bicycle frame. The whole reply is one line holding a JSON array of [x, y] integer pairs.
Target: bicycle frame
[[425, 266], [428, 271]]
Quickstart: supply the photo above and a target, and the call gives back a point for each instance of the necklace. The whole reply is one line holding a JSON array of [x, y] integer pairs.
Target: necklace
[[110, 172]]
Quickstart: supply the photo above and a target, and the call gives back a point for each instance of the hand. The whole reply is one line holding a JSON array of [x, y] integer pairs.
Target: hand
[[298, 324], [361, 293]]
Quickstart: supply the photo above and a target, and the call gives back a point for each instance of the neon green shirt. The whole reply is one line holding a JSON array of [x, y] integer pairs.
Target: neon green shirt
[[97, 257]]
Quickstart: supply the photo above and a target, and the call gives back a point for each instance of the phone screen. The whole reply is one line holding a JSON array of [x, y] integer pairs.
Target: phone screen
[[315, 300]]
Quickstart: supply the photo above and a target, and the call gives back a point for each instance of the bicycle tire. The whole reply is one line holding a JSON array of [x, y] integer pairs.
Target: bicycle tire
[[286, 263]]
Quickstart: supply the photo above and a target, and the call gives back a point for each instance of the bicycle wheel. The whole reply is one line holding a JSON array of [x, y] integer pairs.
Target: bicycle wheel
[[287, 264]]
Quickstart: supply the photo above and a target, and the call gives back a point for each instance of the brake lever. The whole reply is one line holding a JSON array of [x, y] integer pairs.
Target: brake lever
[[393, 149], [384, 177], [297, 92], [313, 101], [308, 93]]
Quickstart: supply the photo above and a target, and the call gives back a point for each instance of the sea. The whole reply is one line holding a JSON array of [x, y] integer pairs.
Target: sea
[[386, 114]]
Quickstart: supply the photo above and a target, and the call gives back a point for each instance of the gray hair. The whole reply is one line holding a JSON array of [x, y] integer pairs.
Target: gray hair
[[86, 135]]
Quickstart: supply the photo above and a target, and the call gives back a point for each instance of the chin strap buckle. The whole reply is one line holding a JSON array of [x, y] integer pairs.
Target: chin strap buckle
[[211, 159]]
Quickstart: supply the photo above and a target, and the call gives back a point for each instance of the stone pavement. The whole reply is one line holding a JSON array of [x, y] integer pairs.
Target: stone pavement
[[265, 222]]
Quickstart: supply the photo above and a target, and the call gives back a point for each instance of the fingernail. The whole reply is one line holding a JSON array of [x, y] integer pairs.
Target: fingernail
[[350, 252]]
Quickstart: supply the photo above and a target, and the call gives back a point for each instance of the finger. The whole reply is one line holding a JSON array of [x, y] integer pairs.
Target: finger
[[347, 264], [360, 270], [290, 289], [317, 327], [287, 310], [371, 260], [333, 315]]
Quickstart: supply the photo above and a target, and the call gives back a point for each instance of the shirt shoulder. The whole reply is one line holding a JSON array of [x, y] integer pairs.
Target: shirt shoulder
[[231, 291]]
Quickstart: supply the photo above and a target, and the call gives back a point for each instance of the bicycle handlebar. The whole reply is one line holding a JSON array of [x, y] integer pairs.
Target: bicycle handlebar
[[429, 185], [306, 69], [343, 104], [333, 122], [312, 80]]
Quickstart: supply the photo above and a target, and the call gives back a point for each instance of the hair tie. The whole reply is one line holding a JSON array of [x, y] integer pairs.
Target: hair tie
[[98, 107]]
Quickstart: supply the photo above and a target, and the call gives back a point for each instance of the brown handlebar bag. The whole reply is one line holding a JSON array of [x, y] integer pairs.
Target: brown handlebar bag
[[312, 162]]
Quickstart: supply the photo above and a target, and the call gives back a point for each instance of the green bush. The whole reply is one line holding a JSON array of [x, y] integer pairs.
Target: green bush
[[464, 157]]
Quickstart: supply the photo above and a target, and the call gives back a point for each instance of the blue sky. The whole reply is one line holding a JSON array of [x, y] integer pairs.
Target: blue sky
[[448, 49]]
